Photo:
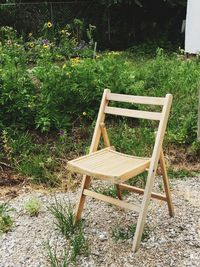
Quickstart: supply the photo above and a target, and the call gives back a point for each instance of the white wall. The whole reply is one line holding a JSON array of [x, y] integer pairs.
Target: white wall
[[192, 31]]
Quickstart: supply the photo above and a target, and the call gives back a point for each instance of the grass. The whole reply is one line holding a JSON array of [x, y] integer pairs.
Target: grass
[[181, 174], [55, 260], [6, 222], [64, 217], [77, 243], [110, 191]]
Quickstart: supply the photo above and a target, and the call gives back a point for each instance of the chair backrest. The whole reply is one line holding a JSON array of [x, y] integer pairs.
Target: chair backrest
[[134, 100], [162, 116]]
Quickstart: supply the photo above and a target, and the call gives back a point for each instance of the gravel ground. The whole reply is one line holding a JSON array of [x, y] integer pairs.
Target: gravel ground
[[171, 242]]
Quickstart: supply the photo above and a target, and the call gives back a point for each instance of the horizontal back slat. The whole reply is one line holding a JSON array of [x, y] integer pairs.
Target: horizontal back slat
[[133, 113], [159, 101]]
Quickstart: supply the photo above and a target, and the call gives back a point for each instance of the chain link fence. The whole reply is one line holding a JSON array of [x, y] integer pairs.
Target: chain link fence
[[117, 27]]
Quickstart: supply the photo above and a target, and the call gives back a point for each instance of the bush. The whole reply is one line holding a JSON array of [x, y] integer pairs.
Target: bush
[[45, 91], [171, 74]]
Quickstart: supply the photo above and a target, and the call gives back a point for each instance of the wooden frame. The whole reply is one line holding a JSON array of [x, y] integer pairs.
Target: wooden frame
[[157, 157]]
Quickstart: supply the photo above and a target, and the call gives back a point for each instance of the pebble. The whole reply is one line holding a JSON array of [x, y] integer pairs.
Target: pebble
[[103, 237], [172, 241]]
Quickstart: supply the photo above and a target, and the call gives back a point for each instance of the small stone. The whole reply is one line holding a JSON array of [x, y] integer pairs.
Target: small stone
[[103, 237]]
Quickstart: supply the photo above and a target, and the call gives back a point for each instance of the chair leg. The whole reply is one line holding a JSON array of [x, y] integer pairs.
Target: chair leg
[[119, 192], [80, 205], [166, 184], [143, 212]]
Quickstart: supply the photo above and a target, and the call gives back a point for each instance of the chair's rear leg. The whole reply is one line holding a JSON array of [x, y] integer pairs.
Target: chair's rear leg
[[119, 192], [166, 184], [80, 205]]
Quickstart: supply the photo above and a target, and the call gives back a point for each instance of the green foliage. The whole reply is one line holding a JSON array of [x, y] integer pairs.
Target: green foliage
[[55, 260], [181, 174], [64, 218], [73, 232], [29, 157], [51, 96], [33, 206], [127, 232], [131, 139], [111, 191], [49, 88], [181, 78], [79, 244], [39, 168], [6, 222]]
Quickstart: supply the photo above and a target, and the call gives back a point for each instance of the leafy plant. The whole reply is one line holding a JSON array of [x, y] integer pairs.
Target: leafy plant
[[39, 169], [33, 206], [6, 222]]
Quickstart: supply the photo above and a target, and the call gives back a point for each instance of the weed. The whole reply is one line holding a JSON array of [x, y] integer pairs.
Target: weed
[[79, 245], [125, 233], [139, 180], [182, 174], [73, 232], [111, 191], [33, 206], [55, 260], [160, 186], [6, 222], [39, 168], [64, 218]]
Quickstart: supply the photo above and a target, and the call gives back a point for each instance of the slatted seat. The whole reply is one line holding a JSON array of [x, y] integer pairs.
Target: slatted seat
[[113, 166], [110, 165]]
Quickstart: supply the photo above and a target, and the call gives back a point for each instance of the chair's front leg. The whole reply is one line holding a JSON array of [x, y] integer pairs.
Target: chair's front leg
[[80, 205]]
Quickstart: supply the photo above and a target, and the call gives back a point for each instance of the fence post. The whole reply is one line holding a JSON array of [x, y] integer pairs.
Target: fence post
[[109, 34], [51, 10]]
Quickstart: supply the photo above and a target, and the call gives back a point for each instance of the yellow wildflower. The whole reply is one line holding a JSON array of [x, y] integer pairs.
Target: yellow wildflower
[[75, 61], [63, 31], [31, 45], [30, 34], [9, 42], [64, 66], [115, 53], [45, 46], [84, 113], [49, 24]]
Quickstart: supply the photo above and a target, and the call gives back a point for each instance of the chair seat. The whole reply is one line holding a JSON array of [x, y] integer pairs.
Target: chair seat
[[108, 164]]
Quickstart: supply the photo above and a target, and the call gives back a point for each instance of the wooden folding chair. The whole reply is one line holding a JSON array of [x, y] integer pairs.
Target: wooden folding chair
[[110, 165]]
